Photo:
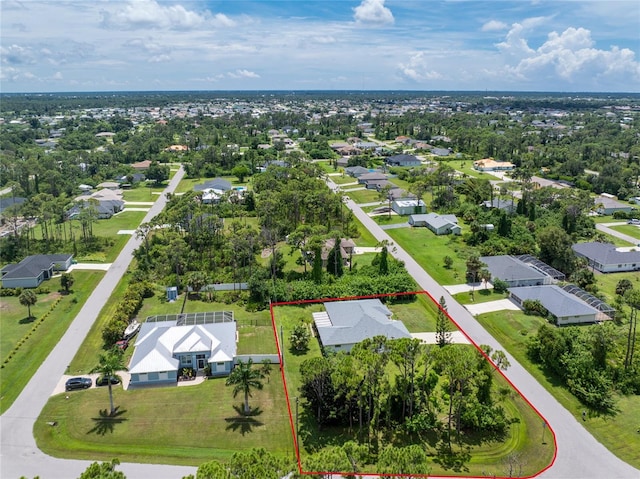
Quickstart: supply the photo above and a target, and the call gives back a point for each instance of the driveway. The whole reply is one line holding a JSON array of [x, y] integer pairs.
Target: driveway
[[604, 227], [491, 306], [90, 266], [19, 455], [579, 455]]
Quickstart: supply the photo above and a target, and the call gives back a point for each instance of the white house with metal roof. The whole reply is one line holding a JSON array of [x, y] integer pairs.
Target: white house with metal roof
[[564, 306], [163, 347], [607, 258], [343, 324]]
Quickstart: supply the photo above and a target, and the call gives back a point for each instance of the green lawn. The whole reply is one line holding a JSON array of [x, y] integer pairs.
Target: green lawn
[[343, 179], [618, 433], [480, 295], [363, 196], [428, 250], [487, 457], [165, 425], [607, 283], [390, 220], [142, 193], [38, 343], [631, 230]]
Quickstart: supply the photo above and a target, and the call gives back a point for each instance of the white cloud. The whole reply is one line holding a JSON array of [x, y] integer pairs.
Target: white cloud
[[150, 14], [417, 69], [494, 25], [243, 74], [572, 57], [515, 44], [57, 76], [221, 20], [16, 55], [159, 59], [373, 12]]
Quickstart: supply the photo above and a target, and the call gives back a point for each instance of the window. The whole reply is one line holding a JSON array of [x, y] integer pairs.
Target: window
[[185, 359], [219, 364]]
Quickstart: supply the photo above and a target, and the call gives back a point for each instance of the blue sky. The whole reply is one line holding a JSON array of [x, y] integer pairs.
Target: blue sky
[[104, 45]]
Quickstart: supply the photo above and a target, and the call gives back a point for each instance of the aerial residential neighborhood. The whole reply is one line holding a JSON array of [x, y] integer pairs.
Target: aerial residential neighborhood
[[271, 273]]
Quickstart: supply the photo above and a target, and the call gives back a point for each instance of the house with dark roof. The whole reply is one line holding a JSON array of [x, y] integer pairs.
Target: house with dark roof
[[402, 160], [441, 151], [515, 272], [344, 324], [356, 171], [105, 208], [565, 307], [10, 201], [606, 258], [215, 184], [347, 248], [372, 180], [33, 270], [609, 204], [162, 348], [439, 224], [506, 205]]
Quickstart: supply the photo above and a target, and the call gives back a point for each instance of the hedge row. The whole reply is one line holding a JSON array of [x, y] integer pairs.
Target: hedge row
[[24, 338], [126, 309], [18, 291]]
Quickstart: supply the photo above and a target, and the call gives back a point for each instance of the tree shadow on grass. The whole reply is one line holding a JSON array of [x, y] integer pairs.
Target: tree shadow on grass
[[243, 423], [28, 320], [105, 423], [451, 459]]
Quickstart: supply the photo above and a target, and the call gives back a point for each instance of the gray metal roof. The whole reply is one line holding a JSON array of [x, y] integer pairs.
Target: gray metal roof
[[356, 320], [557, 301], [216, 184], [508, 268], [33, 266], [605, 253]]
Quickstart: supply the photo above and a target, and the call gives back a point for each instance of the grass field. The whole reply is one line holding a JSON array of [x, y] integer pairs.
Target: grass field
[[486, 456], [363, 196], [428, 250], [607, 283], [480, 295], [166, 425], [631, 230], [618, 433], [143, 193], [38, 343]]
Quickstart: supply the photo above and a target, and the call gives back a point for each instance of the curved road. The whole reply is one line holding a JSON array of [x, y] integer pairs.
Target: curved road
[[579, 455], [19, 455]]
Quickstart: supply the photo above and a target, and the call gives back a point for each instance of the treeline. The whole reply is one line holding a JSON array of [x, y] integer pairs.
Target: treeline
[[593, 363], [384, 386]]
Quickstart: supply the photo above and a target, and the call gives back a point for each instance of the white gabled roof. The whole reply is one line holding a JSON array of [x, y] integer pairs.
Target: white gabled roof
[[159, 342]]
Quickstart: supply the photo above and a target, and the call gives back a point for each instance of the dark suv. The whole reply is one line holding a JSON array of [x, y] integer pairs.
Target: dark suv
[[77, 383]]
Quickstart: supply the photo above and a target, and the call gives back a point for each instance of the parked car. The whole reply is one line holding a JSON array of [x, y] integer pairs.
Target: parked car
[[103, 381], [633, 222], [77, 383], [124, 344]]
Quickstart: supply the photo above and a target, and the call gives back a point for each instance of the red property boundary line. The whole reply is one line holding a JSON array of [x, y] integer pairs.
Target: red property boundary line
[[372, 475]]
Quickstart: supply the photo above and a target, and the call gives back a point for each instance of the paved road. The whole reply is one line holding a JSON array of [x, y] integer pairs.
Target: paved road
[[579, 456], [604, 227], [19, 454]]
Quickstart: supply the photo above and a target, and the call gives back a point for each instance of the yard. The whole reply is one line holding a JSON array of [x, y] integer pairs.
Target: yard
[[254, 328], [362, 195], [428, 250], [38, 336], [486, 456], [166, 425], [630, 230], [142, 193], [617, 433]]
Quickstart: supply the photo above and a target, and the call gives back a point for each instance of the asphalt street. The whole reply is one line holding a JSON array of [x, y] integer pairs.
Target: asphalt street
[[19, 455], [579, 455]]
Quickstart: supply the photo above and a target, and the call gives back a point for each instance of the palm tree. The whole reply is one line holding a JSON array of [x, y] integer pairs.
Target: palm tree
[[108, 366], [244, 378], [28, 298]]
